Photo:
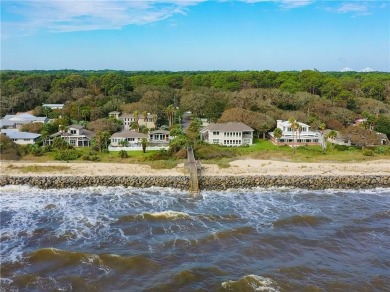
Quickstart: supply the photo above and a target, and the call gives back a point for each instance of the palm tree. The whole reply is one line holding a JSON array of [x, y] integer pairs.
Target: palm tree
[[294, 125], [170, 112], [278, 133], [144, 144], [136, 118]]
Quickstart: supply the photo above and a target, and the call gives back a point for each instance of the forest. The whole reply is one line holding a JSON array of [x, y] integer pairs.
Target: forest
[[257, 98]]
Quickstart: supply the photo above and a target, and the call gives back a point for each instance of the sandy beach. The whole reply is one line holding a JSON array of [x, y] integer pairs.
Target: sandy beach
[[247, 167]]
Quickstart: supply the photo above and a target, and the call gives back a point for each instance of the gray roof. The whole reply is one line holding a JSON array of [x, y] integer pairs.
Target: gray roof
[[21, 135], [6, 123], [228, 127], [24, 118], [159, 132], [78, 127], [139, 115], [128, 134]]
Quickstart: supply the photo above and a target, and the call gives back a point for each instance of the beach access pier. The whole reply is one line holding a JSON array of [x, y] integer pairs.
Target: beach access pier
[[194, 168]]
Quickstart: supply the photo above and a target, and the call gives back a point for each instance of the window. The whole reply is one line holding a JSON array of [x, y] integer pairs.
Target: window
[[215, 141], [216, 133], [73, 132]]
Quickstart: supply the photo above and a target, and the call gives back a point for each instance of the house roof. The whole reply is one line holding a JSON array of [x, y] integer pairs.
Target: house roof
[[51, 105], [20, 135], [139, 115], [159, 132], [128, 134], [78, 127], [287, 124], [228, 127], [24, 118]]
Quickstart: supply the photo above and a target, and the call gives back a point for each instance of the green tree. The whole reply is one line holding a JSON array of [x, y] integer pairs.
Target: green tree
[[278, 133], [101, 140], [60, 143], [144, 144], [170, 113]]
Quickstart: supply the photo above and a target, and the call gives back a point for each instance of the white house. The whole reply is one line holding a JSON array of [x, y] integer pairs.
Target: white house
[[132, 138], [149, 120], [75, 135], [159, 137], [53, 105], [303, 136], [18, 120], [227, 134], [22, 138]]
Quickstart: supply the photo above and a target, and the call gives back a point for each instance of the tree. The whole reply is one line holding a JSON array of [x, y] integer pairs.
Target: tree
[[60, 143], [360, 136], [193, 130], [123, 143], [170, 113], [144, 144], [383, 125], [101, 125], [278, 133], [294, 125], [101, 140]]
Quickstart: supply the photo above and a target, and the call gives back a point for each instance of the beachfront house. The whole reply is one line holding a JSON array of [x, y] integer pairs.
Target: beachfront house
[[227, 134], [18, 120], [21, 138], [148, 120], [301, 136], [53, 106], [159, 137], [75, 135], [127, 138]]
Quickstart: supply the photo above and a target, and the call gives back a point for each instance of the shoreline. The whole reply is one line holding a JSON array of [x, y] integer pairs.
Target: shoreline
[[241, 167], [242, 174]]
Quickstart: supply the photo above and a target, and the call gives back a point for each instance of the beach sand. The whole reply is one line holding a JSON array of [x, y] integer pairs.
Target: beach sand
[[248, 167]]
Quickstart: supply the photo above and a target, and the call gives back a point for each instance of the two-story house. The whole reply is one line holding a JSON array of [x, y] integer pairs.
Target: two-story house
[[301, 136], [75, 135], [148, 120], [227, 134]]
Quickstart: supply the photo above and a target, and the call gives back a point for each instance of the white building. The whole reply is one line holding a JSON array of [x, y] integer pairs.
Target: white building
[[21, 138], [149, 120], [302, 136], [131, 138], [53, 105], [227, 134], [18, 120]]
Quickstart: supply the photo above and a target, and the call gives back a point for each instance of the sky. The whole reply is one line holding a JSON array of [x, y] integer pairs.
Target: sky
[[196, 35]]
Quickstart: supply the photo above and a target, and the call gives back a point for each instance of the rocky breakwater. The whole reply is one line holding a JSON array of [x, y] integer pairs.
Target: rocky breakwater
[[55, 182], [205, 182], [303, 182]]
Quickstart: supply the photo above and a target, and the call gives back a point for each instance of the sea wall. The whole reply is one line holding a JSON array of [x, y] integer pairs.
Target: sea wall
[[206, 182]]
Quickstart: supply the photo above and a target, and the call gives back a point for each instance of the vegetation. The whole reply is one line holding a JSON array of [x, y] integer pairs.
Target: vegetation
[[321, 99]]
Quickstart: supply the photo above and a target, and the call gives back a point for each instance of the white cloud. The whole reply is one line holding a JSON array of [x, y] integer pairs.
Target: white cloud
[[284, 3], [71, 15], [352, 7]]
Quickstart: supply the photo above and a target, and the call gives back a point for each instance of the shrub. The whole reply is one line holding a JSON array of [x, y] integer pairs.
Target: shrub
[[341, 147], [162, 154], [123, 154], [213, 152], [379, 150], [66, 155], [368, 152]]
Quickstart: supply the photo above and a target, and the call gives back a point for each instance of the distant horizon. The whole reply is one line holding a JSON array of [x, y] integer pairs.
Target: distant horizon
[[195, 35]]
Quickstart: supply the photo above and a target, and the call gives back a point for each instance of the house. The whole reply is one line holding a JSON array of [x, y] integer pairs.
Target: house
[[304, 136], [18, 120], [75, 135], [21, 138], [227, 134], [149, 120], [53, 106], [159, 137], [132, 138]]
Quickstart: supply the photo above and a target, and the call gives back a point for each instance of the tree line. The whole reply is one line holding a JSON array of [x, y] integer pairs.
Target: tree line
[[257, 98]]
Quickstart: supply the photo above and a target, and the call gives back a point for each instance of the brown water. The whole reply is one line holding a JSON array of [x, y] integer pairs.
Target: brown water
[[119, 239]]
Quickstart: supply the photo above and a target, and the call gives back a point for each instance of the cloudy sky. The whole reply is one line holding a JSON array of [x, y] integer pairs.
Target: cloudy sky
[[195, 35]]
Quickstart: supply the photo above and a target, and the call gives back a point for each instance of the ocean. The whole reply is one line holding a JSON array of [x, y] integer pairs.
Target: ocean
[[161, 239]]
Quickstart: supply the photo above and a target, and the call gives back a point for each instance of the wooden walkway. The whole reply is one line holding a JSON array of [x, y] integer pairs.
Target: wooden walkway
[[194, 168]]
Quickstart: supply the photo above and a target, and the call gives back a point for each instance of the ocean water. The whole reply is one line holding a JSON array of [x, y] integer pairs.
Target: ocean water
[[127, 239]]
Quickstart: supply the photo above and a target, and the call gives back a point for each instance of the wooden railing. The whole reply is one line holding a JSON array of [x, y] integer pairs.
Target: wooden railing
[[194, 168]]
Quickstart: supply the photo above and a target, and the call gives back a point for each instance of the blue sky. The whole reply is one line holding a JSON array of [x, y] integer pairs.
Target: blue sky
[[195, 35]]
